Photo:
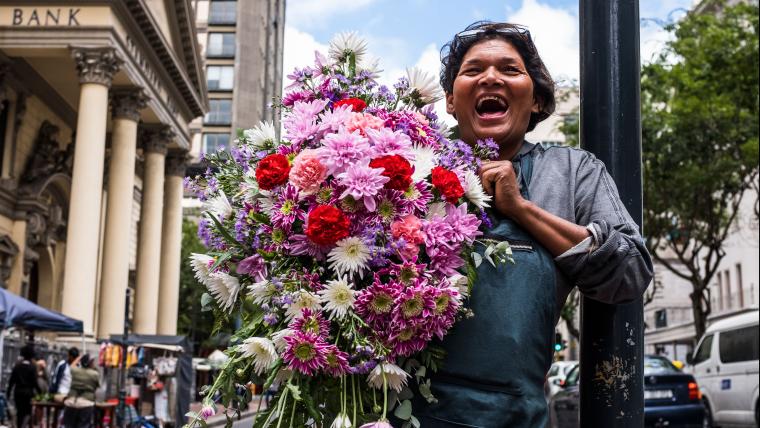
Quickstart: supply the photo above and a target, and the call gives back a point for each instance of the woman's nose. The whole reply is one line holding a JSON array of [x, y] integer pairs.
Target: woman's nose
[[491, 77]]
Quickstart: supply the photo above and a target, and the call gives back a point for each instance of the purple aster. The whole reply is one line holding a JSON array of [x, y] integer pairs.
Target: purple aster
[[305, 352], [271, 319], [300, 245], [343, 149], [311, 322], [286, 209], [363, 183]]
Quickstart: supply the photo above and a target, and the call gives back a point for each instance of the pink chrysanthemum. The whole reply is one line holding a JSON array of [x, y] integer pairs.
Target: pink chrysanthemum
[[332, 120], [311, 322], [386, 142], [413, 305], [447, 302], [336, 361], [407, 341], [417, 198], [301, 245], [343, 149], [304, 353], [464, 226], [375, 303], [362, 183]]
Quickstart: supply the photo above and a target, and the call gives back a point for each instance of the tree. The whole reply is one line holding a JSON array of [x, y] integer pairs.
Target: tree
[[700, 143]]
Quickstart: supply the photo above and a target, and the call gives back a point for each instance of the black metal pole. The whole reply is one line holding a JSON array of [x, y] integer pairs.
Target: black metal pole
[[612, 336], [122, 419]]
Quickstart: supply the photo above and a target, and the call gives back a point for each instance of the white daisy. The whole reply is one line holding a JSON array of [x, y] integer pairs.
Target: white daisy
[[473, 190], [346, 43], [423, 86], [261, 136], [342, 421], [303, 299], [279, 339], [338, 297], [261, 350], [425, 160], [224, 288], [219, 206], [395, 376], [262, 292], [350, 255], [201, 264]]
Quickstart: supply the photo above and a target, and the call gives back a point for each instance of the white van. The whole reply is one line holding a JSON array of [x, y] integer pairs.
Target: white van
[[726, 366]]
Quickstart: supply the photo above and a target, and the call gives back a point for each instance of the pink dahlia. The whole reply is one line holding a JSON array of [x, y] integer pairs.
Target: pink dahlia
[[362, 183], [343, 149], [386, 142], [311, 322], [307, 172], [305, 352]]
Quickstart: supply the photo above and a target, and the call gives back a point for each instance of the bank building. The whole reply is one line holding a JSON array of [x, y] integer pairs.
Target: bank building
[[96, 98]]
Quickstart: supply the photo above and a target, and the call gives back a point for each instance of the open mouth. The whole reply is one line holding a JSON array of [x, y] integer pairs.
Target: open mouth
[[491, 107]]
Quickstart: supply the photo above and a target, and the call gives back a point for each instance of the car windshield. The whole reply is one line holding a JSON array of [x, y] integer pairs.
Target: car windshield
[[572, 377], [658, 365]]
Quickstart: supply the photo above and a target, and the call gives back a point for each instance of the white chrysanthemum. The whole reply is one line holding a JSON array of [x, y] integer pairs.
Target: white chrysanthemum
[[338, 297], [346, 43], [261, 136], [261, 350], [473, 190], [279, 339], [350, 256], [201, 264], [425, 160], [219, 206], [266, 202], [262, 292], [224, 288], [436, 209], [423, 86], [304, 299], [395, 376], [460, 282], [371, 67], [341, 421]]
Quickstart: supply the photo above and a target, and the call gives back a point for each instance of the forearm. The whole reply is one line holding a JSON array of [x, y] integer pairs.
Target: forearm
[[555, 233]]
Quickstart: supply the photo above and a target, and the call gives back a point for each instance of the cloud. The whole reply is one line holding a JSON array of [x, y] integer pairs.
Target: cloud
[[299, 51], [312, 14]]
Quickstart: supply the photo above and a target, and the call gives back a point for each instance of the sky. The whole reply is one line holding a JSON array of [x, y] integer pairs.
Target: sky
[[410, 33]]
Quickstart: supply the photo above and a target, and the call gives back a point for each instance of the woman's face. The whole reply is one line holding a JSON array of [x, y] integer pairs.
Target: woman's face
[[493, 94]]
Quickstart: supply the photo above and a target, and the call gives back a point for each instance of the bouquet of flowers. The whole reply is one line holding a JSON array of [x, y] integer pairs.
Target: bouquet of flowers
[[343, 249]]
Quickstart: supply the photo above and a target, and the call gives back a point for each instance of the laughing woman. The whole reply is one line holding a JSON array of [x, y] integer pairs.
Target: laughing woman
[[560, 211]]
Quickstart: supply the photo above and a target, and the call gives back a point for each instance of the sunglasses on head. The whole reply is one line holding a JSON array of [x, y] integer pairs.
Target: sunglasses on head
[[468, 35]]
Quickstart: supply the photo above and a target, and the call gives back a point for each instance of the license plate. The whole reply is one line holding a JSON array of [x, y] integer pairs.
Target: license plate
[[658, 394]]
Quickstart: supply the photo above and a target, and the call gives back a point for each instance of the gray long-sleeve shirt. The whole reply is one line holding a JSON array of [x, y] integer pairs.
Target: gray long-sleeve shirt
[[574, 185]]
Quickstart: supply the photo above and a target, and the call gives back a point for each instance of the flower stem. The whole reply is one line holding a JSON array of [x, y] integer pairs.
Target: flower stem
[[353, 400], [385, 394]]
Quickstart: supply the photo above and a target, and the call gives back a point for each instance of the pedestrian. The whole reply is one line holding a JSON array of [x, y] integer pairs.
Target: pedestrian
[[80, 401], [23, 384], [42, 375], [61, 380], [559, 210]]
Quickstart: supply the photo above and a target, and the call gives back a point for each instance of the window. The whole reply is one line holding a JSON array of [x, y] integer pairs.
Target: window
[[221, 45], [213, 142], [739, 345], [222, 12], [572, 377], [661, 318], [729, 295], [220, 78], [219, 113], [739, 284], [703, 353], [4, 105]]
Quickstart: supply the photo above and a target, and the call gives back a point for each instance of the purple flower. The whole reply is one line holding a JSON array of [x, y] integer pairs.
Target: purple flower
[[305, 352], [253, 266], [363, 183], [464, 226], [342, 150], [286, 209], [387, 142]]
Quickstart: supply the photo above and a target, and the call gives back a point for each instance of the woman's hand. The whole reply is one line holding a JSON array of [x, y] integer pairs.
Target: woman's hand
[[500, 181]]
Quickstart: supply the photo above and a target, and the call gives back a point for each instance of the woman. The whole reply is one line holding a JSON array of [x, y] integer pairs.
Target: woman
[[561, 213], [80, 403], [23, 384]]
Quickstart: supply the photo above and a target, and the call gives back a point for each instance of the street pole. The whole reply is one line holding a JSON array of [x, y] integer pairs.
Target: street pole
[[612, 336], [122, 422]]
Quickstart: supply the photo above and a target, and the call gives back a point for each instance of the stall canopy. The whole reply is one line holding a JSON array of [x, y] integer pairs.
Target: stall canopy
[[15, 311]]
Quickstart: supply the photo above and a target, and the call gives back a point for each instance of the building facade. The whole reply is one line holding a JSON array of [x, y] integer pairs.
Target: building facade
[[242, 46], [96, 98]]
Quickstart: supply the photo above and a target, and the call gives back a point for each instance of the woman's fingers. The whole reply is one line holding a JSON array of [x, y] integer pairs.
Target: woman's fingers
[[489, 179]]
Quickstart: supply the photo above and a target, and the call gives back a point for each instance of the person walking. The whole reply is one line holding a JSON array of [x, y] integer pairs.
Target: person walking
[[61, 381], [80, 401], [23, 384]]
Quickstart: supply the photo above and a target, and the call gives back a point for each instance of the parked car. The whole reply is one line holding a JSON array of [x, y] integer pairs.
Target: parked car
[[725, 363], [556, 376], [671, 398]]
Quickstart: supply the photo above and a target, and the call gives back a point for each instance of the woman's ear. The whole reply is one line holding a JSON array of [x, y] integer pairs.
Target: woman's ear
[[536, 105], [450, 105]]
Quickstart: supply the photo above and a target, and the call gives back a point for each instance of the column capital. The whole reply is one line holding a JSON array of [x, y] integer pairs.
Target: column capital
[[96, 65], [127, 102], [176, 163], [156, 139]]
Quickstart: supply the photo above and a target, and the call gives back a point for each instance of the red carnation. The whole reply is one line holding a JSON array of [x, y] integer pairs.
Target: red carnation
[[357, 104], [327, 225], [447, 183], [272, 171], [398, 169]]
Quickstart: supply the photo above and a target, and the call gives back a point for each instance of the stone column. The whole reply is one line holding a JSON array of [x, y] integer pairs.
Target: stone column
[[171, 243], [149, 246], [96, 68], [125, 108]]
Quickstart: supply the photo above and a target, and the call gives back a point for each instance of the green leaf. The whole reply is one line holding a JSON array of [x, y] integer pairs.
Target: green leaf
[[221, 229], [415, 422], [404, 411], [426, 393], [421, 371], [294, 391]]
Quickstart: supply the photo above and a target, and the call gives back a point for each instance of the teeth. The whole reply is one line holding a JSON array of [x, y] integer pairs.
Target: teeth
[[491, 97]]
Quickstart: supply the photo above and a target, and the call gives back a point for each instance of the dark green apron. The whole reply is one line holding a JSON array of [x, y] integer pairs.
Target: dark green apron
[[496, 361]]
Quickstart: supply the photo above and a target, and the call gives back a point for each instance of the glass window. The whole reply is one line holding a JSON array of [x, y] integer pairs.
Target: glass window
[[220, 77], [213, 142], [703, 353], [222, 12], [219, 112], [658, 365], [572, 377], [221, 45], [738, 345], [661, 318]]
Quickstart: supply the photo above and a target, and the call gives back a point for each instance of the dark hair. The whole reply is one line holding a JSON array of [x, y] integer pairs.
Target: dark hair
[[454, 51], [27, 352], [85, 361], [73, 352]]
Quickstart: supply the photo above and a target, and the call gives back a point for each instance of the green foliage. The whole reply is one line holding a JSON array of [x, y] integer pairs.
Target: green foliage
[[700, 141]]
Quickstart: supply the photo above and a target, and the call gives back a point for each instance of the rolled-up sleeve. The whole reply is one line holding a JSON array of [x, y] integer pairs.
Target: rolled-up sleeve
[[615, 267]]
